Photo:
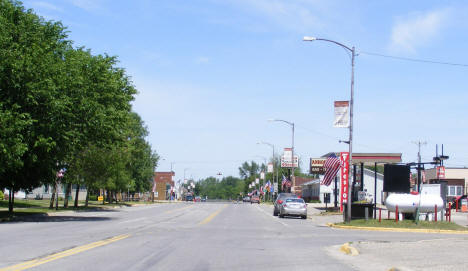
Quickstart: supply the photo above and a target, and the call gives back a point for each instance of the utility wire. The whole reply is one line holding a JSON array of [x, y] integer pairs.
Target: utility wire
[[415, 59]]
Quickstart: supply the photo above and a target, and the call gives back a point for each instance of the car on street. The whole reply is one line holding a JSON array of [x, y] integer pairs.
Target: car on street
[[246, 199], [203, 199], [255, 199], [197, 199], [279, 200], [293, 207], [189, 198]]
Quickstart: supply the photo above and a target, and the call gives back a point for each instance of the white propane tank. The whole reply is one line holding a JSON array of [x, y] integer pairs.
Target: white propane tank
[[407, 203]]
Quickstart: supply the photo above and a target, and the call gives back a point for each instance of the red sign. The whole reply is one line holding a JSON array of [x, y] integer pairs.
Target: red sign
[[441, 172], [344, 161]]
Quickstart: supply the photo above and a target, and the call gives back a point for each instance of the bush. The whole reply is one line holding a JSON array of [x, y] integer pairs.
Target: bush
[[93, 197], [2, 196]]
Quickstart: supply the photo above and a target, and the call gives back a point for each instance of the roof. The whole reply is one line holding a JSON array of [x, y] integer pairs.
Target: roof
[[371, 158]]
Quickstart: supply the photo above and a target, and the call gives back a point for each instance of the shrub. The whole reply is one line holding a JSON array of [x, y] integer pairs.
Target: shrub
[[93, 197], [2, 196]]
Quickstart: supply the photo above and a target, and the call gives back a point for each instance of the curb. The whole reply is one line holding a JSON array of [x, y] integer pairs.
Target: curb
[[349, 250], [331, 225]]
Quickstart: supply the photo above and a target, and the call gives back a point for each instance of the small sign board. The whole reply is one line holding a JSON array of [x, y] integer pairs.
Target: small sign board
[[441, 172], [316, 165], [100, 198]]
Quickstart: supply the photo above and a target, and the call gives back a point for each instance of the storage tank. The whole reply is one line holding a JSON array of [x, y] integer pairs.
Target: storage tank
[[407, 203]]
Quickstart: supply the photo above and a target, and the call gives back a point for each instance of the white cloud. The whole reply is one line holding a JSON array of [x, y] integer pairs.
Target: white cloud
[[418, 29], [88, 5], [45, 5], [294, 15], [202, 60]]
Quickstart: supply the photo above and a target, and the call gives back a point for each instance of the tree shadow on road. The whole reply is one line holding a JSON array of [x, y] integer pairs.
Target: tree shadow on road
[[44, 217]]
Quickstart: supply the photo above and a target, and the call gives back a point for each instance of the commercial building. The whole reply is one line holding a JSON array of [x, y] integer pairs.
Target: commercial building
[[368, 184], [162, 184], [455, 177]]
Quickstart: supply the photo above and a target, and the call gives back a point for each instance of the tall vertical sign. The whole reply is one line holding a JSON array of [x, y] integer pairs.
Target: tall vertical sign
[[344, 161]]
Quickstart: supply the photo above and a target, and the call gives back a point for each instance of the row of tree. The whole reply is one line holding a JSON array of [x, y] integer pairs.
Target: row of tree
[[233, 187], [64, 108]]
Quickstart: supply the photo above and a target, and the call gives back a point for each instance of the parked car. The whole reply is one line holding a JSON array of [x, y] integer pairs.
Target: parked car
[[246, 199], [255, 199], [280, 199], [189, 198], [197, 199], [203, 199], [293, 207]]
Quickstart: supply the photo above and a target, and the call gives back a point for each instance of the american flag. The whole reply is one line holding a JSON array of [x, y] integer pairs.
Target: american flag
[[283, 183], [331, 165]]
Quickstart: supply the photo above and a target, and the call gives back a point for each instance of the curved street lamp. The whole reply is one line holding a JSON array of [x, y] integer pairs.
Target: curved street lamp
[[351, 103], [292, 152]]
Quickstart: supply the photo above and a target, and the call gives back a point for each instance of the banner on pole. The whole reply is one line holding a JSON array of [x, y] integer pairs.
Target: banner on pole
[[344, 160], [341, 114], [270, 168]]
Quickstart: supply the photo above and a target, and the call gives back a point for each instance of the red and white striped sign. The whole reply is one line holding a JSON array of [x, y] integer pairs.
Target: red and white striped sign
[[344, 161]]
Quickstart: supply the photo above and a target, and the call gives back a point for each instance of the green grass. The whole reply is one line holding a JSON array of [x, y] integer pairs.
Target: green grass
[[407, 224], [34, 207]]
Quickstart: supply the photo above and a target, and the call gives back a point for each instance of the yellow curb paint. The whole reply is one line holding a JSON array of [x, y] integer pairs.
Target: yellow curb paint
[[210, 217], [63, 254], [396, 229], [349, 250]]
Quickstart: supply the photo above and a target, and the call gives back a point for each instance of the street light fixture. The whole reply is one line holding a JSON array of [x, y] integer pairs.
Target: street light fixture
[[292, 152], [351, 103], [273, 160]]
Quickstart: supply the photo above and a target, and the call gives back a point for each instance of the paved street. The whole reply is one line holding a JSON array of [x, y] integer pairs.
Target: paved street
[[205, 236]]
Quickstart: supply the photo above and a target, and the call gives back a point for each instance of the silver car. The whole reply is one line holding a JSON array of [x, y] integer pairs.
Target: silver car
[[293, 207]]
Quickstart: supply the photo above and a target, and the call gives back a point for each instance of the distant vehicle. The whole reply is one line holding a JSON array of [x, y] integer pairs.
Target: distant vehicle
[[203, 199], [246, 199], [255, 199], [188, 198], [293, 207], [197, 199], [279, 200]]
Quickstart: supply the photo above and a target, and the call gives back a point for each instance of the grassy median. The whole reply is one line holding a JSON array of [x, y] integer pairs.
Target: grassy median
[[406, 224]]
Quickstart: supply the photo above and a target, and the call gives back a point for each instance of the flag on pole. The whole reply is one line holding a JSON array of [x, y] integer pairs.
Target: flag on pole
[[283, 183], [331, 165]]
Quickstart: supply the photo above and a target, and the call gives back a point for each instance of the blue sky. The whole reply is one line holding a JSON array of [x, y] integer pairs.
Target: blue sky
[[211, 73]]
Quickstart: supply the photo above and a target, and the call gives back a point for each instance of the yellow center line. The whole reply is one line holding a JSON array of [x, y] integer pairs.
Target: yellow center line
[[63, 254], [210, 217]]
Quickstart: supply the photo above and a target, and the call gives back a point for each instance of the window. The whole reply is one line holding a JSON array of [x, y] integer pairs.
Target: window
[[454, 190]]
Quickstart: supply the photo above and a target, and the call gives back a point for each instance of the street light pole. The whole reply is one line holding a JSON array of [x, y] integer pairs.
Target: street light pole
[[293, 178], [273, 160], [351, 106]]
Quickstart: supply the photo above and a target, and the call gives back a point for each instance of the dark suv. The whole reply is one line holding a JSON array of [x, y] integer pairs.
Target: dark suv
[[279, 200]]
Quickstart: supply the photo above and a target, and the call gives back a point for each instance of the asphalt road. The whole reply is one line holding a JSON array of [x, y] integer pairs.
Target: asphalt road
[[200, 236]]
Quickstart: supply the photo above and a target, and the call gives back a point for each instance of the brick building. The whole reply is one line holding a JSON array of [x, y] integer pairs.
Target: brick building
[[162, 183]]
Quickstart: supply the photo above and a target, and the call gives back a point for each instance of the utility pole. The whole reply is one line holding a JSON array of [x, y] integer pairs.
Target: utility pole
[[419, 143]]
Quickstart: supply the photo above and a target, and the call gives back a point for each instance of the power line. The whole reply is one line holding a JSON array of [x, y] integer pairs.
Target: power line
[[416, 59]]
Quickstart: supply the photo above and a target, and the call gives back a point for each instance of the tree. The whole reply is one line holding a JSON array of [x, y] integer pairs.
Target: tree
[[30, 57]]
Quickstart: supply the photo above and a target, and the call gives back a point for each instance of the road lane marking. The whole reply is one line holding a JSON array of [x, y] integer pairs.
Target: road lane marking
[[213, 215], [132, 220], [270, 215], [178, 209], [63, 254]]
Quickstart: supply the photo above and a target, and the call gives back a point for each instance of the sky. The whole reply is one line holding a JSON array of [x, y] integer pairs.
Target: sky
[[210, 73]]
